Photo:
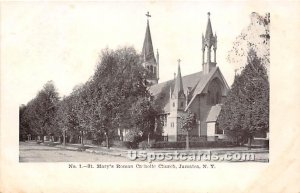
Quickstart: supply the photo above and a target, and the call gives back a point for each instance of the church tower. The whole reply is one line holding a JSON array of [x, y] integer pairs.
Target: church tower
[[178, 96], [177, 106], [149, 61], [209, 42]]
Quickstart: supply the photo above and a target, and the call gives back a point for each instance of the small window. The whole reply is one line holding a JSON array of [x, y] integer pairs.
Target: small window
[[218, 130], [181, 104], [173, 104]]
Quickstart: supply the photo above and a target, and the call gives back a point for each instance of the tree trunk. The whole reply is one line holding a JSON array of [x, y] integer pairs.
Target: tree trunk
[[148, 139], [187, 141], [121, 133], [107, 141], [81, 138], [249, 143], [64, 138]]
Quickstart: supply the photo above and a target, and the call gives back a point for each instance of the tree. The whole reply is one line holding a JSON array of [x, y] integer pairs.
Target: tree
[[115, 97], [188, 123], [24, 128], [118, 83], [46, 102], [39, 114], [143, 117], [66, 117], [256, 36], [246, 109]]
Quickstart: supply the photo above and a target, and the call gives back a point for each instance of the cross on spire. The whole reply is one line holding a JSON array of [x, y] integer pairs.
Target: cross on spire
[[178, 61], [148, 15]]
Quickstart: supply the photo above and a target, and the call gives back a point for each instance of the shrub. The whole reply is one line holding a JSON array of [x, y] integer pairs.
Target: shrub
[[103, 143], [125, 144], [144, 144], [133, 136], [182, 144], [191, 138]]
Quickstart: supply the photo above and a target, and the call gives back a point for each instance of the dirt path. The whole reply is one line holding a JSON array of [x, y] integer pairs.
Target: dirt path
[[30, 152]]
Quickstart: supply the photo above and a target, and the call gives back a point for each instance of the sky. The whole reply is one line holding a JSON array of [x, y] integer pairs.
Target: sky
[[61, 41]]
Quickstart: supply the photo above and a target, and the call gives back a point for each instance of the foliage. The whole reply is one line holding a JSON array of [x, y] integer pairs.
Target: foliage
[[246, 109], [39, 114], [133, 135], [198, 144], [255, 37], [188, 121], [115, 97], [119, 94], [143, 116], [24, 123]]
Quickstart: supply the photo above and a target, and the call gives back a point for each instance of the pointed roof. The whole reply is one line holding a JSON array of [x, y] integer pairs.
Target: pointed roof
[[197, 82], [209, 32], [178, 87], [161, 91], [147, 52]]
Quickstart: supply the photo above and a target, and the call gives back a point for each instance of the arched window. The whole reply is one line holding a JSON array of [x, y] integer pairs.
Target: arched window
[[151, 69], [214, 92], [218, 98]]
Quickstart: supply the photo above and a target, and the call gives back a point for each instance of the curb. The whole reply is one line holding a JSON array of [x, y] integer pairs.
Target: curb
[[104, 152]]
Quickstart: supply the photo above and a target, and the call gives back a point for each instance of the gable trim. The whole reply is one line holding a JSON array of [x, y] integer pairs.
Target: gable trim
[[207, 81]]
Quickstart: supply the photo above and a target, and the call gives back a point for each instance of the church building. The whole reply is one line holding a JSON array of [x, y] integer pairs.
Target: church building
[[201, 92]]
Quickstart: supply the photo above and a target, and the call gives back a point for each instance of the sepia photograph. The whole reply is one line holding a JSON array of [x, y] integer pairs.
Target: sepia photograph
[[141, 85], [149, 98]]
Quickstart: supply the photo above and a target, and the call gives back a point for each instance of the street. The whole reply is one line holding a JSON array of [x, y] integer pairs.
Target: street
[[31, 152]]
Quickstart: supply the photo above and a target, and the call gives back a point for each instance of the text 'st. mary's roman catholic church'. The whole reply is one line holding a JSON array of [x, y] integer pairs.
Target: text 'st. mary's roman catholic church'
[[201, 92]]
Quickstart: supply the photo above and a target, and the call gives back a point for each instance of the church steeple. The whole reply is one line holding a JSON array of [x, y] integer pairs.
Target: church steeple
[[178, 87], [177, 97], [147, 51], [209, 32], [149, 60], [208, 41]]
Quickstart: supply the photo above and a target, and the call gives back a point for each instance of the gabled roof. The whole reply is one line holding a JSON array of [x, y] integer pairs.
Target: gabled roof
[[200, 87], [147, 51], [213, 113], [196, 82]]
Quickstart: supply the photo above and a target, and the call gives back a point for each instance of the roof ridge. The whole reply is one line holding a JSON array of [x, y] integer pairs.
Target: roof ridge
[[171, 80], [209, 75]]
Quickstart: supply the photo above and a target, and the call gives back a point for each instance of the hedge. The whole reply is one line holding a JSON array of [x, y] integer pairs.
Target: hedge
[[182, 144], [126, 144]]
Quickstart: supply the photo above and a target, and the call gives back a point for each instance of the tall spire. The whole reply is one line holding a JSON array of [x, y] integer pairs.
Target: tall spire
[[147, 52], [209, 32], [209, 43], [149, 61], [178, 87]]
